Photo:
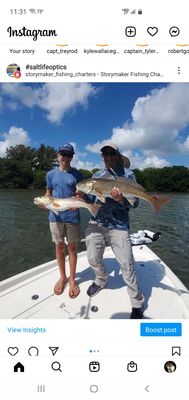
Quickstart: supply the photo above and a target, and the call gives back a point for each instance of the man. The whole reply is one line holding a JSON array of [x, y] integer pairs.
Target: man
[[61, 183], [112, 225]]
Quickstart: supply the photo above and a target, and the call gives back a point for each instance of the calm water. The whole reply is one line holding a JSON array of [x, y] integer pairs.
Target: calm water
[[25, 241]]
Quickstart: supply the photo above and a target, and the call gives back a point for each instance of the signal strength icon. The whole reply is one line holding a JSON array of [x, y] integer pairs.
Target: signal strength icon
[[133, 12]]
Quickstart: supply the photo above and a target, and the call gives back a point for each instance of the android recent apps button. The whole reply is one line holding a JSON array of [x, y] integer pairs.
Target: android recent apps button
[[161, 329]]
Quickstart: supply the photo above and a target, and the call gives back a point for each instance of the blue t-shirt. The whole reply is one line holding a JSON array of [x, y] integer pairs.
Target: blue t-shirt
[[63, 185]]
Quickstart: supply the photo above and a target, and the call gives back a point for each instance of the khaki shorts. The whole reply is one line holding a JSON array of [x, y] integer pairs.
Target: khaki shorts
[[61, 230]]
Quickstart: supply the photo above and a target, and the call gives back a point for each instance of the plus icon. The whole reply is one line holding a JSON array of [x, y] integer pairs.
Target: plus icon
[[130, 31]]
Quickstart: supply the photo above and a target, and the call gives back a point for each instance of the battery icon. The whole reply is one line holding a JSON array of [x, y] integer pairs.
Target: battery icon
[[139, 11]]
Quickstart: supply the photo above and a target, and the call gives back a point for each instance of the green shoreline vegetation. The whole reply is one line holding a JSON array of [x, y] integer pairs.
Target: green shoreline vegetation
[[26, 167]]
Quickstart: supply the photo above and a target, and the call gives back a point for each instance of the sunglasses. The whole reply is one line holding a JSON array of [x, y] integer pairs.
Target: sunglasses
[[112, 153], [66, 155]]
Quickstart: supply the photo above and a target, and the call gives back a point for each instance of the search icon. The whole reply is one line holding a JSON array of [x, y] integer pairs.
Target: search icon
[[56, 366]]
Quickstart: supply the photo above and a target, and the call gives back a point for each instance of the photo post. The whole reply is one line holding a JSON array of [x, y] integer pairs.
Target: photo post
[[94, 195]]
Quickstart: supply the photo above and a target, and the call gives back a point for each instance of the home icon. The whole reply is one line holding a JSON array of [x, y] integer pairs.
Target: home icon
[[18, 367]]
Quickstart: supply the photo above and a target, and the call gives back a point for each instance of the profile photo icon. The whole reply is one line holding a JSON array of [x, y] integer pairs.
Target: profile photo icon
[[170, 366], [13, 70]]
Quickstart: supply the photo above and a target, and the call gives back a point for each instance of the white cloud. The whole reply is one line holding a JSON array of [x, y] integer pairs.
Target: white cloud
[[142, 160], [152, 161], [78, 161], [95, 148], [157, 121], [185, 145], [55, 99], [156, 126], [13, 137]]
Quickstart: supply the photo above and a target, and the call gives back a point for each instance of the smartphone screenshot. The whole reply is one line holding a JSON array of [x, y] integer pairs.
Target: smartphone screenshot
[[94, 200]]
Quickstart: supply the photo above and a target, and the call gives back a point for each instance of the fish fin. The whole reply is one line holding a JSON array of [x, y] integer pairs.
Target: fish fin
[[108, 175], [101, 198], [55, 212], [159, 201], [122, 179], [131, 201], [56, 205], [95, 209], [99, 191], [113, 173]]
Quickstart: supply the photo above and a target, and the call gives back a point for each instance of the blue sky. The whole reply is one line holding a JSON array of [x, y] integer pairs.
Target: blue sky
[[148, 121]]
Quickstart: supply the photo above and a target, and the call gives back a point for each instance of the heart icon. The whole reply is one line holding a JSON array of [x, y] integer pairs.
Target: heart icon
[[152, 30], [13, 351]]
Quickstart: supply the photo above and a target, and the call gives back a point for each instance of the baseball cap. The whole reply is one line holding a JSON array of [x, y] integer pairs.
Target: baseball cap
[[67, 147], [126, 161]]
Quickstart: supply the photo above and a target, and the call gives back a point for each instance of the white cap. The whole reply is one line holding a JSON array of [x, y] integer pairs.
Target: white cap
[[126, 161]]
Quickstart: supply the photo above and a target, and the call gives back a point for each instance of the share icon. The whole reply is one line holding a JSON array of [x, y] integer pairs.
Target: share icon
[[54, 350]]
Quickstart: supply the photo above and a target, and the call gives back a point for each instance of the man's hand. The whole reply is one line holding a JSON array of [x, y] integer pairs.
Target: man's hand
[[116, 194]]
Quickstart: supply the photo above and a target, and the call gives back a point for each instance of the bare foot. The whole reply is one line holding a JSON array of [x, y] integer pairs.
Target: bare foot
[[74, 290], [60, 286]]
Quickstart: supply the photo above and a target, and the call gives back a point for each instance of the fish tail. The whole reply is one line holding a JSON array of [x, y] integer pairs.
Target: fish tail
[[158, 201], [95, 209]]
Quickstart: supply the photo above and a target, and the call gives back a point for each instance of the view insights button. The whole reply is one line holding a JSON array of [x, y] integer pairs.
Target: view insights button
[[161, 329]]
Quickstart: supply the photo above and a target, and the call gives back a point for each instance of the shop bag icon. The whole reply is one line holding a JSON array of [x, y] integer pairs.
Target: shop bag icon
[[132, 366]]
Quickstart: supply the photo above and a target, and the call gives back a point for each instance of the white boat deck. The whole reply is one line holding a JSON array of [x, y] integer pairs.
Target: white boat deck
[[165, 295]]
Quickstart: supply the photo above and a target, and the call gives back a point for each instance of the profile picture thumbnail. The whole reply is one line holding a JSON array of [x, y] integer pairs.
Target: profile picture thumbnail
[[170, 366], [13, 70]]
